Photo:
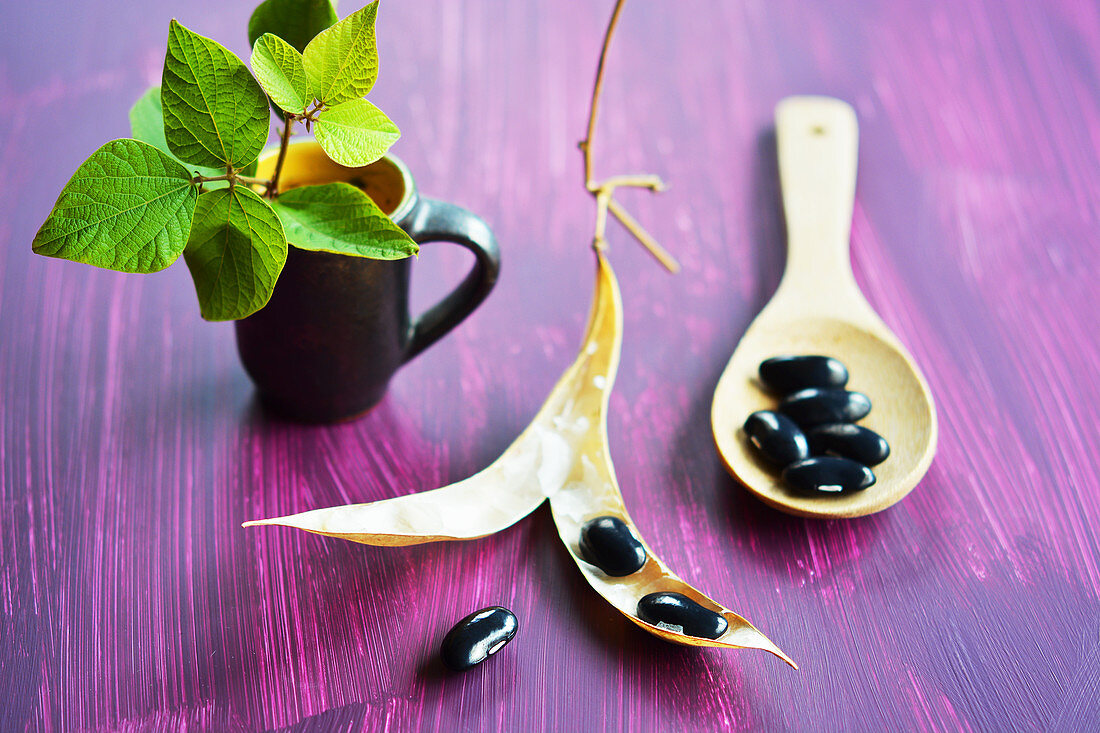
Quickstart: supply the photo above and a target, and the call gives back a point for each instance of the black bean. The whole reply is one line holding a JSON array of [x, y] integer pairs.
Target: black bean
[[608, 543], [776, 437], [676, 609], [849, 441], [827, 476], [786, 374], [809, 407], [477, 637]]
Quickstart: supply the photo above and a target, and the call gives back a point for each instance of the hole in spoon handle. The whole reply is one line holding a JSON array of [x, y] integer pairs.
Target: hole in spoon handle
[[817, 138]]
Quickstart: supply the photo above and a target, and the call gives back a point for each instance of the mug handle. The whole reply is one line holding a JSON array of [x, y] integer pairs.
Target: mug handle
[[439, 221]]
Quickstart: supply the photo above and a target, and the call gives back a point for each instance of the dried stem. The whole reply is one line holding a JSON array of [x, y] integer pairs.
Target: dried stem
[[597, 88], [647, 240], [604, 190]]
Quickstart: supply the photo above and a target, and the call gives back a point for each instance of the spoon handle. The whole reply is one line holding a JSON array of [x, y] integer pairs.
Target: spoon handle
[[817, 139]]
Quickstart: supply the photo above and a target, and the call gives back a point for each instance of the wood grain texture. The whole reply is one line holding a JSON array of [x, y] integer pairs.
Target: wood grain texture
[[131, 447]]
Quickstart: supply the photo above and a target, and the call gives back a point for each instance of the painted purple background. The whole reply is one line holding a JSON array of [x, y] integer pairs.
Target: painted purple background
[[132, 448]]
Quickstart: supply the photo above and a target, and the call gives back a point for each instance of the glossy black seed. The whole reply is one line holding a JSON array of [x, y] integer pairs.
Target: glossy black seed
[[608, 543], [776, 437], [849, 441], [477, 637], [809, 407], [676, 609], [827, 476], [786, 374]]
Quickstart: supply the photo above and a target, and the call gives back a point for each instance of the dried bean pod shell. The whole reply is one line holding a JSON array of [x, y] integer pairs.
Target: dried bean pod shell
[[592, 490], [563, 454]]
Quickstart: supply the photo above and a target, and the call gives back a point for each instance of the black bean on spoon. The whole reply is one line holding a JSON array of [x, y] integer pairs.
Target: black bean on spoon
[[812, 436], [846, 440], [776, 437], [677, 610], [609, 544], [813, 406], [477, 637], [785, 374], [827, 476]]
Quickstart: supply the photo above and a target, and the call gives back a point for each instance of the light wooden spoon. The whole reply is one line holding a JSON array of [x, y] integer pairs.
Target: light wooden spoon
[[819, 309]]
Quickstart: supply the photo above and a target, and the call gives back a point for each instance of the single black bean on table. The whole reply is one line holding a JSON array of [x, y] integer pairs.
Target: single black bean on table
[[785, 374], [477, 637], [849, 441], [677, 610], [827, 475], [813, 406], [609, 544], [776, 437]]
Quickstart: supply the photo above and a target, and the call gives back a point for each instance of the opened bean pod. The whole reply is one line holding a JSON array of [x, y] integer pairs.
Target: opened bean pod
[[562, 455], [486, 503], [513, 486], [591, 490]]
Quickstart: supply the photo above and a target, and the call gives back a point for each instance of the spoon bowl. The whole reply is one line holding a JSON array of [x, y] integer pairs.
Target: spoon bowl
[[819, 309]]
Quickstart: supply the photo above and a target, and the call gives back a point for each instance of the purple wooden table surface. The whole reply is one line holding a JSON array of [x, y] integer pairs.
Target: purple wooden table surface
[[132, 447]]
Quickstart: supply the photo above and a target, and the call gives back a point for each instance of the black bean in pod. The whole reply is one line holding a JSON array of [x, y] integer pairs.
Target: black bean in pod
[[776, 437], [861, 444], [809, 407], [608, 543], [477, 637], [786, 374], [827, 476], [676, 609]]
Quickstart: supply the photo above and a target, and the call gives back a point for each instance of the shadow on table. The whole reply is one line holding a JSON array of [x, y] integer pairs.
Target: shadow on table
[[675, 678], [653, 674], [769, 230], [759, 532], [678, 679], [694, 459]]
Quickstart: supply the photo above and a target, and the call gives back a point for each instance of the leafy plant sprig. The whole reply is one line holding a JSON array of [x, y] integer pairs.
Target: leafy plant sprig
[[186, 182]]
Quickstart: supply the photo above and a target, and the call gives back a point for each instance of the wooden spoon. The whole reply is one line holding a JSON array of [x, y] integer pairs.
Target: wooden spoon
[[819, 309]]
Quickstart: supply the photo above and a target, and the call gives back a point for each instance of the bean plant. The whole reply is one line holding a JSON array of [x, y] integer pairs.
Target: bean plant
[[186, 183]]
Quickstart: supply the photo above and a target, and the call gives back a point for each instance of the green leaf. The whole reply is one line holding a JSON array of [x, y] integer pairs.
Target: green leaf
[[342, 62], [248, 170], [338, 217], [278, 67], [128, 207], [295, 21], [236, 251], [214, 111], [147, 120], [147, 125], [355, 133]]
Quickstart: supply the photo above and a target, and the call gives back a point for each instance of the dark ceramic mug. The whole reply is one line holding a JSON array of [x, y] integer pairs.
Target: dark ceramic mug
[[337, 328]]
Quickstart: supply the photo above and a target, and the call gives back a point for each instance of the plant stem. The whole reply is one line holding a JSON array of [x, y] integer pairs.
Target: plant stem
[[284, 143], [660, 253], [597, 88], [640, 180], [604, 190], [271, 185], [235, 178], [599, 241]]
